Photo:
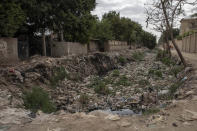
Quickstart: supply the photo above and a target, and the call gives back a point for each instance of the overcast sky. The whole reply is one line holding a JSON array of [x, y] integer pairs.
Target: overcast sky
[[133, 9]]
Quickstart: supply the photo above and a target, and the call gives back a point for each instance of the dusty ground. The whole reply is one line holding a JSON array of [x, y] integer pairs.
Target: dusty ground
[[180, 116]]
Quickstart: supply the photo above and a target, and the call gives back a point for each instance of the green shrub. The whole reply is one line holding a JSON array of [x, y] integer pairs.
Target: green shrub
[[59, 74], [176, 70], [157, 73], [116, 73], [151, 72], [108, 80], [84, 99], [74, 77], [124, 81], [163, 56], [151, 111], [138, 56], [101, 88], [160, 54], [143, 82], [122, 60], [174, 88], [99, 85], [179, 37], [95, 82], [38, 99], [137, 90], [167, 61]]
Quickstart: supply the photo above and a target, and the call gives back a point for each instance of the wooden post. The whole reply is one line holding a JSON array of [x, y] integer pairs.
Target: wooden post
[[44, 52], [182, 45], [195, 42], [189, 43]]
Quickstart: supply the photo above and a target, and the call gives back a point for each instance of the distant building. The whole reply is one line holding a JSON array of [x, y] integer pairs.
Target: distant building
[[188, 24]]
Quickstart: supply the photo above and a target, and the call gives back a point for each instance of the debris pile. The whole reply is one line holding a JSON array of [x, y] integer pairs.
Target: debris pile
[[132, 80]]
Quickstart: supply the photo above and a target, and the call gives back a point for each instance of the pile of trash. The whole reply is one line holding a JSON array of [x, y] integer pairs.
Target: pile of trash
[[99, 81]]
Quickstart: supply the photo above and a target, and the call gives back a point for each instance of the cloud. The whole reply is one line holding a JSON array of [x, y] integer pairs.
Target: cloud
[[127, 8], [133, 9]]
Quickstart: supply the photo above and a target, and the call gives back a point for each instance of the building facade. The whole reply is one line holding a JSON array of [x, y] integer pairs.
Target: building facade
[[188, 24]]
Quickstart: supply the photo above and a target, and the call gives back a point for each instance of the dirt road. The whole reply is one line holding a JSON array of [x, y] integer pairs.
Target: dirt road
[[180, 116]]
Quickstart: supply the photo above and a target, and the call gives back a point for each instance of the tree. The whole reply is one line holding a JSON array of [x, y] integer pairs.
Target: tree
[[168, 12], [149, 40], [112, 26], [157, 20], [102, 31], [38, 17], [163, 35], [123, 29], [11, 17], [73, 19]]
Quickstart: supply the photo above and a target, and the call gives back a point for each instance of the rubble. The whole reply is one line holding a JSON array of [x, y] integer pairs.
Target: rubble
[[137, 85]]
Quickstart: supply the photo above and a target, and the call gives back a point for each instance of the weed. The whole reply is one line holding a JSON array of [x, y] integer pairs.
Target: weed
[[99, 85], [160, 54], [124, 81], [84, 99], [163, 56], [167, 61], [101, 88], [108, 80], [157, 73], [138, 56], [143, 82], [74, 77], [151, 111], [137, 90], [116, 73], [94, 82], [176, 70], [58, 75], [151, 72], [174, 88], [122, 60], [38, 99]]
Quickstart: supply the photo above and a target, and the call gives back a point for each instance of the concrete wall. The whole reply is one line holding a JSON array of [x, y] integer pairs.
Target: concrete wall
[[3, 50], [93, 46], [59, 49], [77, 48], [190, 43], [8, 50], [115, 45]]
